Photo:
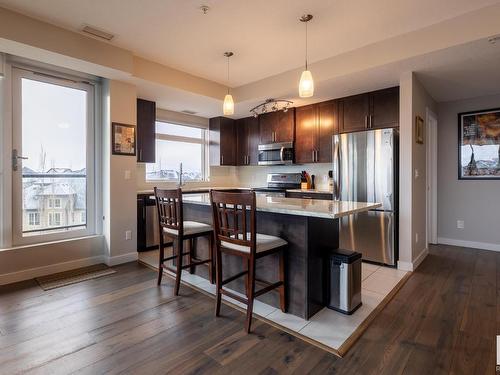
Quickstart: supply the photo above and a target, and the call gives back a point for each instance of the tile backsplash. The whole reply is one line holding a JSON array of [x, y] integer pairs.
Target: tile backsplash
[[255, 176], [244, 176]]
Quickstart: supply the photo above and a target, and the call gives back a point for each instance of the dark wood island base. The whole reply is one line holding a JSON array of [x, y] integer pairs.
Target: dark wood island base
[[309, 241]]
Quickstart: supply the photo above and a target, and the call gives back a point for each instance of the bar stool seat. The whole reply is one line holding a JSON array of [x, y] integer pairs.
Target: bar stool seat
[[265, 243], [190, 227]]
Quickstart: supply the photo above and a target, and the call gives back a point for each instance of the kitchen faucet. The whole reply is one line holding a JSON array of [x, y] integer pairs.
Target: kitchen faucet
[[180, 183]]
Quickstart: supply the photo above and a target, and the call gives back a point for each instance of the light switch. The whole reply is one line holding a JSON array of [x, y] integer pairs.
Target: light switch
[[127, 174]]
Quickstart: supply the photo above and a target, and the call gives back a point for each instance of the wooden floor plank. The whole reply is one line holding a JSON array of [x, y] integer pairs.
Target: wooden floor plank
[[442, 321]]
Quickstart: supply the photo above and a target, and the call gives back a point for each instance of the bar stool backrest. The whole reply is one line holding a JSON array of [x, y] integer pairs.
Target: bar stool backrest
[[169, 206], [234, 218]]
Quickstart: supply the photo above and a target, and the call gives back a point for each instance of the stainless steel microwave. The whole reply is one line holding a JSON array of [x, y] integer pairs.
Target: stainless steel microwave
[[276, 153]]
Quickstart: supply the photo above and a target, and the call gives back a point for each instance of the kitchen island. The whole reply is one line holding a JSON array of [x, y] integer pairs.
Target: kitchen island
[[311, 229]]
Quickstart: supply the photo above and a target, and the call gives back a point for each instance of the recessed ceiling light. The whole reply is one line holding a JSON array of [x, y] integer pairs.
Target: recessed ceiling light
[[97, 33]]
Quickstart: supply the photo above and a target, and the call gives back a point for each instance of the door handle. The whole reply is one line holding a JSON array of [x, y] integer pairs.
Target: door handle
[[15, 158]]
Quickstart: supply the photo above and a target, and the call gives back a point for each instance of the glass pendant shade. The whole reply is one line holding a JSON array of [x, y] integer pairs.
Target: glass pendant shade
[[228, 106], [306, 85]]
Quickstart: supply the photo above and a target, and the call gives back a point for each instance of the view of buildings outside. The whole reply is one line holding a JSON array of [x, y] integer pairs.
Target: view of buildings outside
[[54, 128]]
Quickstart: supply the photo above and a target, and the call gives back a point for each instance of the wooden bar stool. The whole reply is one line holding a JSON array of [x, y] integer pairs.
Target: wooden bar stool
[[235, 234], [172, 224]]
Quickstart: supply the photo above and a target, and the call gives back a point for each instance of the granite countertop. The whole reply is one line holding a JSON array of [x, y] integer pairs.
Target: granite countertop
[[297, 206]]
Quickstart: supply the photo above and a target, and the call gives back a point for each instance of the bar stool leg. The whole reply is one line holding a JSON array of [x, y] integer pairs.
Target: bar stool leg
[[178, 273], [218, 267], [251, 292], [281, 289], [160, 261], [211, 267], [192, 247]]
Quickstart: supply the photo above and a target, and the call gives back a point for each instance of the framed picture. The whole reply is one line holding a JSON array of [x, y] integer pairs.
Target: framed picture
[[419, 130], [123, 139], [479, 145]]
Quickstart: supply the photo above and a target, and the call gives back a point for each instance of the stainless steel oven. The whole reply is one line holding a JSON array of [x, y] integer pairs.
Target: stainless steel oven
[[276, 153]]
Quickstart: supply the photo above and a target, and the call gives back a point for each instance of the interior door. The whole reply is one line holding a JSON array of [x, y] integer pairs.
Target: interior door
[[52, 157]]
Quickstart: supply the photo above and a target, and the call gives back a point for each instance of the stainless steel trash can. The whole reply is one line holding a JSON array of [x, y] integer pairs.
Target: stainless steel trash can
[[344, 290]]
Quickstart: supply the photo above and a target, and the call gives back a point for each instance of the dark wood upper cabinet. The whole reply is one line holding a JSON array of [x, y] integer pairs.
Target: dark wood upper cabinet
[[146, 131], [222, 148], [252, 124], [327, 127], [306, 128], [373, 110], [354, 113], [267, 125], [285, 130], [314, 126], [242, 141], [277, 126], [247, 133], [385, 108]]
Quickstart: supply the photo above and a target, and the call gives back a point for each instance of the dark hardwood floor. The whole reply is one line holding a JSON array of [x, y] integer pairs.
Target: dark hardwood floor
[[444, 320]]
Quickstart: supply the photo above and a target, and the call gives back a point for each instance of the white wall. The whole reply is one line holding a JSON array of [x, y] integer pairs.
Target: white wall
[[119, 196], [477, 203], [414, 101]]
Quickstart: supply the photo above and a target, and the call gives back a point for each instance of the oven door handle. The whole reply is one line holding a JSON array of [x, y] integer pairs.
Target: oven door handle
[[282, 154]]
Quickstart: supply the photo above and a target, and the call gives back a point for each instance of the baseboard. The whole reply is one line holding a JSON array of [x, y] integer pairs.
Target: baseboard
[[420, 258], [471, 244], [119, 259], [31, 273], [412, 266]]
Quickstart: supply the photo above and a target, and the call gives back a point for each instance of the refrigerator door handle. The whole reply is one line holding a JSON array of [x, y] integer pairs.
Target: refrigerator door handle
[[336, 167]]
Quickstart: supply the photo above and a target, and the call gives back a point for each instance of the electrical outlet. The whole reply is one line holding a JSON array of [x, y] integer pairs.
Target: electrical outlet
[[417, 174], [460, 224], [416, 237], [128, 235]]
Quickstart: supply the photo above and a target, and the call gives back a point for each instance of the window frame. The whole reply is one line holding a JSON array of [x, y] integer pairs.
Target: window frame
[[18, 72], [203, 141]]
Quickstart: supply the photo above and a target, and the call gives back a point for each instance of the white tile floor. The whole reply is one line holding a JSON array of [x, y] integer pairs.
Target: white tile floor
[[327, 327]]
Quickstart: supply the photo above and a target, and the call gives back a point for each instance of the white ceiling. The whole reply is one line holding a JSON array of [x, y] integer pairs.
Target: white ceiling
[[266, 36]]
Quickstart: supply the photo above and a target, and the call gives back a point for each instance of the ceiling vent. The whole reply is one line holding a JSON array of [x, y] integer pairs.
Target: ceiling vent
[[494, 39], [97, 33], [187, 111]]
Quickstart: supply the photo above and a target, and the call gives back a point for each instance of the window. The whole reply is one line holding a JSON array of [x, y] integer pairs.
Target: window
[[54, 219], [54, 203], [53, 131], [177, 144], [34, 218], [83, 217]]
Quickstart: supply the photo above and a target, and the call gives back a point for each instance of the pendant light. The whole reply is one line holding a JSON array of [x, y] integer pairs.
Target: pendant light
[[228, 106], [306, 84]]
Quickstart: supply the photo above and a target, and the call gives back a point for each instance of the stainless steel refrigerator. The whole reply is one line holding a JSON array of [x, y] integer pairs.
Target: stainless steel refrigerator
[[365, 169]]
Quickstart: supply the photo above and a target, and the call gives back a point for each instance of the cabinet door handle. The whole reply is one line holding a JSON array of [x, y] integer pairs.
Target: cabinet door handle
[[313, 156], [371, 121], [222, 159], [367, 126]]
